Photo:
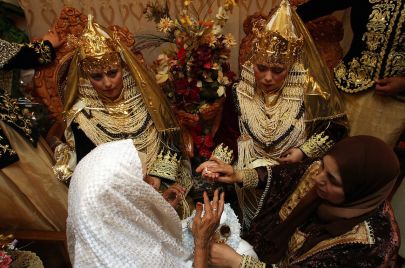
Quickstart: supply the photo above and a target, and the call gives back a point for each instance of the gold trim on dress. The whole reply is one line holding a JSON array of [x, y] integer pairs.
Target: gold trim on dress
[[360, 234], [304, 186]]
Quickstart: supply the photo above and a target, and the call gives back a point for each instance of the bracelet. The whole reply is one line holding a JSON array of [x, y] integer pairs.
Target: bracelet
[[251, 262], [250, 178]]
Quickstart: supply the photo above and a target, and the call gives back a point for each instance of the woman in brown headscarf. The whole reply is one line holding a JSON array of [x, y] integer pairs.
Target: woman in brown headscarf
[[329, 213]]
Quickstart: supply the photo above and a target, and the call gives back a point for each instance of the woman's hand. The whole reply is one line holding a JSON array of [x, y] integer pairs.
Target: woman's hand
[[205, 226], [222, 255], [174, 194], [216, 170], [153, 181], [53, 37], [292, 155], [390, 86]]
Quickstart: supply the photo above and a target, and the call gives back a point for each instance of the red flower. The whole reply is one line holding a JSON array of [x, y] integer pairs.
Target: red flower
[[207, 65], [181, 55], [204, 152], [208, 141], [5, 260]]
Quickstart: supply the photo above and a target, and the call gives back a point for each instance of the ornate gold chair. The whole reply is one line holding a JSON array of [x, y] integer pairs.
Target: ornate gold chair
[[50, 81]]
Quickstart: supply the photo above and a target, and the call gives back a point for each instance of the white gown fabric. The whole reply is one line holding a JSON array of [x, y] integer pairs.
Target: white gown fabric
[[115, 219]]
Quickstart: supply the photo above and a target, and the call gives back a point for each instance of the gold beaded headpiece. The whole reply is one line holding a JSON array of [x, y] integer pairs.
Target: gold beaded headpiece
[[97, 52], [277, 41]]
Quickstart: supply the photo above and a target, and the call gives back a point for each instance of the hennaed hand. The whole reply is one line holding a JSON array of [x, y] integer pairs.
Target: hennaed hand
[[222, 255], [205, 226], [174, 194], [153, 181], [391, 86]]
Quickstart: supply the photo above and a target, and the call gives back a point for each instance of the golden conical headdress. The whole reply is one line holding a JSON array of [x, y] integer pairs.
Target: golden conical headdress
[[96, 50], [277, 41]]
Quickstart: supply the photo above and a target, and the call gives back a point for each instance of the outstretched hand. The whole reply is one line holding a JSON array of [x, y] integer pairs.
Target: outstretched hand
[[216, 170], [204, 226]]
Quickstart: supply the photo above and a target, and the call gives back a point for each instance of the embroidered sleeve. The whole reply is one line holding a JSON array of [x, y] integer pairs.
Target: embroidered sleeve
[[326, 134], [317, 145], [166, 166], [32, 55], [223, 153]]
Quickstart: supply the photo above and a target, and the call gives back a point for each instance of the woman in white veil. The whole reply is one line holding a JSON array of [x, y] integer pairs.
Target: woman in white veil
[[118, 220]]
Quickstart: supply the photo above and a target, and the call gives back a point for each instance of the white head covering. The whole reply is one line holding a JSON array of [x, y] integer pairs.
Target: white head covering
[[116, 219]]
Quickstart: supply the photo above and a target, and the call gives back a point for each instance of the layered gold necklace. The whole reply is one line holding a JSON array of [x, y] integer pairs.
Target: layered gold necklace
[[127, 118]]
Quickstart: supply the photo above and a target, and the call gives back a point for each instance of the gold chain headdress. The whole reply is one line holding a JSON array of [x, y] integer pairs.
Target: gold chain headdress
[[277, 41]]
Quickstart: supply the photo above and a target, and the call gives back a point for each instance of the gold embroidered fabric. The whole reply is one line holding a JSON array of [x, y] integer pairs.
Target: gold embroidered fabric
[[7, 51], [385, 25], [304, 186], [43, 50], [317, 145], [251, 262], [165, 166], [223, 153], [360, 234], [13, 115]]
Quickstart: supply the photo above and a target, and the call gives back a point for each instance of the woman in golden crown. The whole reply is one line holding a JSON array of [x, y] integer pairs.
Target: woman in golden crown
[[109, 96], [287, 106]]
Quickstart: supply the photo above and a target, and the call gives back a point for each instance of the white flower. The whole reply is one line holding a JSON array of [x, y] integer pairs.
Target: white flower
[[165, 25], [199, 84], [221, 91], [216, 29], [222, 14], [229, 40]]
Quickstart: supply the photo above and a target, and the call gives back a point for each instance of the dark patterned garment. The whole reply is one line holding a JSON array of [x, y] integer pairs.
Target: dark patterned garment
[[369, 244], [378, 46], [19, 56]]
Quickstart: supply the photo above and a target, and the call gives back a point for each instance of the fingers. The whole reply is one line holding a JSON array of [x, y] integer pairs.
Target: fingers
[[221, 204], [207, 205], [198, 213]]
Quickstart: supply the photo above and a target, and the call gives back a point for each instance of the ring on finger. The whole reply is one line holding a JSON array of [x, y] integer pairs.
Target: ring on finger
[[214, 209]]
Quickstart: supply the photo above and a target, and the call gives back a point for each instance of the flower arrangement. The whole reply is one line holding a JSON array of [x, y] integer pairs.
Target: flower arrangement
[[193, 70], [11, 257]]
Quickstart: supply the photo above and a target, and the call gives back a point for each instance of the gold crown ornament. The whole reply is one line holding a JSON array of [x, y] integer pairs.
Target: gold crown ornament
[[277, 41], [97, 51], [166, 166], [223, 153]]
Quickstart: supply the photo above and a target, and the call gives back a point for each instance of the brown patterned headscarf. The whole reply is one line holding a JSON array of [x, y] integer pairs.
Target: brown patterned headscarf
[[368, 168]]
